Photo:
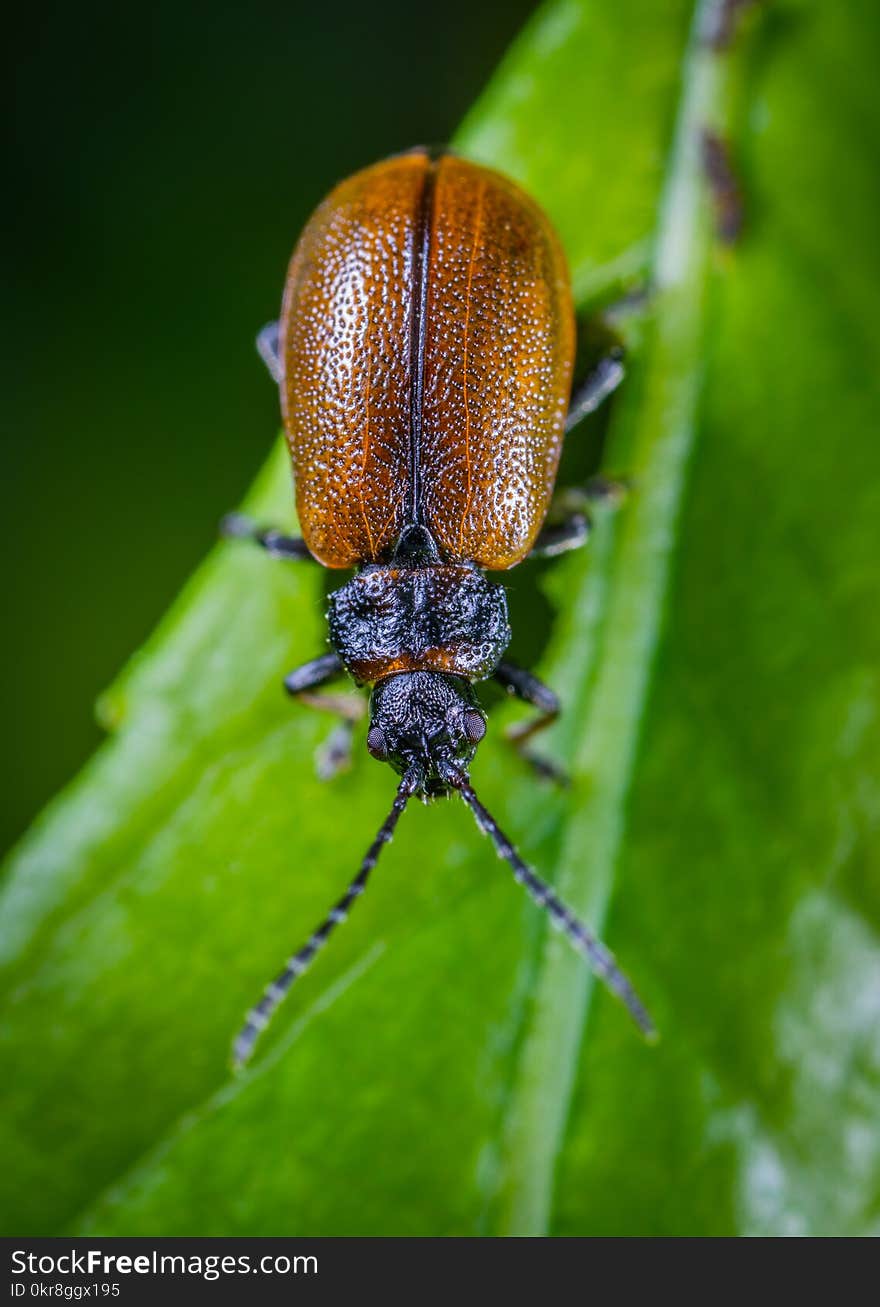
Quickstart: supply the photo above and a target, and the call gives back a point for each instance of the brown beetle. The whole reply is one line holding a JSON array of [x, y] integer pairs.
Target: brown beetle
[[424, 357]]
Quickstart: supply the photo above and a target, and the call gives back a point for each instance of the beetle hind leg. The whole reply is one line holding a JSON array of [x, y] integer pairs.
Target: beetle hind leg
[[335, 754]]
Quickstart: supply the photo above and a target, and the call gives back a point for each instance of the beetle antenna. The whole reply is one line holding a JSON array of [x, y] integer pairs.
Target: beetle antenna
[[261, 1014], [600, 958]]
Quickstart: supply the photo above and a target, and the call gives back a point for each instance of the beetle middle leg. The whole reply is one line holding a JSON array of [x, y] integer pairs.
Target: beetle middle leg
[[236, 526], [601, 382], [526, 686], [334, 754], [570, 523]]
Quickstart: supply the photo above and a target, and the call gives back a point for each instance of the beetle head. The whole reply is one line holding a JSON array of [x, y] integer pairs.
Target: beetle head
[[426, 721]]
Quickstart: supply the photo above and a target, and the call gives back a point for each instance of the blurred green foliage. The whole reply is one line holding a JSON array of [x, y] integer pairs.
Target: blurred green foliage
[[447, 1067]]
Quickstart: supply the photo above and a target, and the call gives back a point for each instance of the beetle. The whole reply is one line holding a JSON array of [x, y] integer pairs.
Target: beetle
[[424, 357]]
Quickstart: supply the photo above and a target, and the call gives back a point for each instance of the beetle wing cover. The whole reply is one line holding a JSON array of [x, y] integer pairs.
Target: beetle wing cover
[[498, 364], [427, 345], [346, 348]]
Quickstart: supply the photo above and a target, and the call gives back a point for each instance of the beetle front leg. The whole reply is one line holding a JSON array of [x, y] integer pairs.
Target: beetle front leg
[[334, 755], [526, 686]]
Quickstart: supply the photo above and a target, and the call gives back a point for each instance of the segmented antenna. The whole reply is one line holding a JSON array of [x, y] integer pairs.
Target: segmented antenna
[[599, 957], [260, 1015]]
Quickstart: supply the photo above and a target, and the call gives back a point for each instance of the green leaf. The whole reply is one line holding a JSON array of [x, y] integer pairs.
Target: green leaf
[[448, 1067]]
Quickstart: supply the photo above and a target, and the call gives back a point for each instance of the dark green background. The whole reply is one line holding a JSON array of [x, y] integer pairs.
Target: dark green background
[[163, 161]]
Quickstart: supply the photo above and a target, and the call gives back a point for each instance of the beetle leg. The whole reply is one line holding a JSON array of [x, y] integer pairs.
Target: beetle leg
[[334, 755], [570, 522], [524, 685], [269, 350], [559, 538], [235, 526], [604, 379]]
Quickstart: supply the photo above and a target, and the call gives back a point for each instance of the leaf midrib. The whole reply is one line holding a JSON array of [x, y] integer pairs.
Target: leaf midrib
[[660, 444]]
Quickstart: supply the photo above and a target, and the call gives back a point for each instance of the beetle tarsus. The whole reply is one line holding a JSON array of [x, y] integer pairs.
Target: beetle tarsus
[[334, 755], [544, 768], [527, 687]]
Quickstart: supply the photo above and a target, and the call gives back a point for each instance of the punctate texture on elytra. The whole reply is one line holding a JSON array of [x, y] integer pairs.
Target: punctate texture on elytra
[[427, 346]]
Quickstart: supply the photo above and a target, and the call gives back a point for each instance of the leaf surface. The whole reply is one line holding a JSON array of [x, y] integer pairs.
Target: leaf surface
[[448, 1067]]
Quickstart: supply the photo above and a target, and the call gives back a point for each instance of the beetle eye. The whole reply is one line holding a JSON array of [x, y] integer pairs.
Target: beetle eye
[[376, 743], [474, 726]]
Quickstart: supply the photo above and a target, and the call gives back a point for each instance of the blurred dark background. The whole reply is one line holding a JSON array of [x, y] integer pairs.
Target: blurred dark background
[[162, 162]]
